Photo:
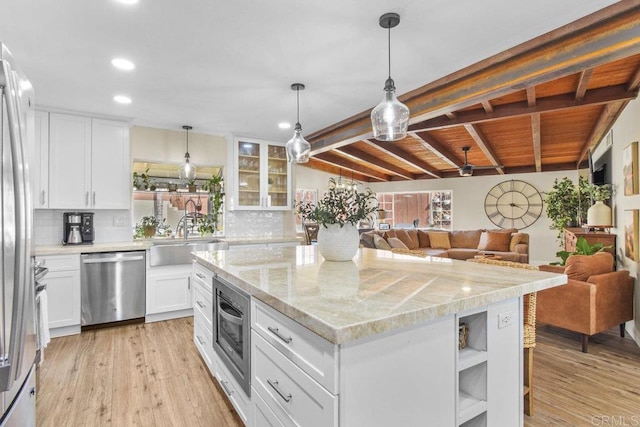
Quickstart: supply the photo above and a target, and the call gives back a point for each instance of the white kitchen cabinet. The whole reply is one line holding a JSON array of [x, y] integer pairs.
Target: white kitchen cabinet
[[39, 165], [169, 290], [63, 293], [89, 163], [110, 165], [262, 175]]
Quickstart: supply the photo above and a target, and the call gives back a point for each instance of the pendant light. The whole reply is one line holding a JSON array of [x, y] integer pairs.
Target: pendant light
[[390, 118], [187, 171], [298, 149]]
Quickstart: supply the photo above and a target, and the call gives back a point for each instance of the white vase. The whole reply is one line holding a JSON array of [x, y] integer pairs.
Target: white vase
[[599, 214], [337, 243]]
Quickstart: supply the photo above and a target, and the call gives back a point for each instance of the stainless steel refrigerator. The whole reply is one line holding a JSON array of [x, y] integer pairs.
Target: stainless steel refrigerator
[[17, 320]]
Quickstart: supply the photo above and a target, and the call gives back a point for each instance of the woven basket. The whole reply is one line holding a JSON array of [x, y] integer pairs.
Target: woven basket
[[463, 335]]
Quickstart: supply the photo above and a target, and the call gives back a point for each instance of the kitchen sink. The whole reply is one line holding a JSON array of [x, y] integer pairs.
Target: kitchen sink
[[178, 253]]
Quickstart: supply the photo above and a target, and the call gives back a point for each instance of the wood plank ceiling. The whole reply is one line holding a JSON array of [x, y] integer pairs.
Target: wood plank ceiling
[[540, 106]]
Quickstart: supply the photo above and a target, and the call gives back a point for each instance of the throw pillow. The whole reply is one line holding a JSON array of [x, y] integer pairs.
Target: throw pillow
[[380, 243], [516, 239], [581, 267], [406, 239], [423, 239], [465, 239], [415, 240], [494, 241], [367, 239], [439, 239], [396, 243]]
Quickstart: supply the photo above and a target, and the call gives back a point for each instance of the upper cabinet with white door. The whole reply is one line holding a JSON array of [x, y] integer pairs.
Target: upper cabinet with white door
[[89, 163], [262, 175]]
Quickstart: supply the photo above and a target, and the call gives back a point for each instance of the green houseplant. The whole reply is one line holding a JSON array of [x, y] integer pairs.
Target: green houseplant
[[582, 248], [191, 185], [149, 224], [566, 204], [338, 212], [206, 225]]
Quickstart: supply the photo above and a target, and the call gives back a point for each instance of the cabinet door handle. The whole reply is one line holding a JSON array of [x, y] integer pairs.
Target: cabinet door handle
[[226, 388], [86, 198], [200, 304], [43, 198], [200, 340], [189, 282], [274, 385], [275, 332], [200, 276], [94, 198]]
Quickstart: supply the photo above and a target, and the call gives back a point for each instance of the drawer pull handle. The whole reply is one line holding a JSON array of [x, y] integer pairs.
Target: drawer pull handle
[[226, 388], [274, 385], [200, 304], [200, 340], [275, 332], [200, 276]]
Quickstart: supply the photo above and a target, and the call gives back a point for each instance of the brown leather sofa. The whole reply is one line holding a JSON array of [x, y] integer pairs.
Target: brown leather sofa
[[594, 299], [509, 245]]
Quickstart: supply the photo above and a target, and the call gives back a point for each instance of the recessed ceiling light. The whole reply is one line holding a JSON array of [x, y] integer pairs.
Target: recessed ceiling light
[[122, 99], [127, 2], [284, 125], [123, 64]]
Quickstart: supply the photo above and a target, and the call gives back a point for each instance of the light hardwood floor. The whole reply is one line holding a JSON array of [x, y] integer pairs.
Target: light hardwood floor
[[151, 375], [134, 375]]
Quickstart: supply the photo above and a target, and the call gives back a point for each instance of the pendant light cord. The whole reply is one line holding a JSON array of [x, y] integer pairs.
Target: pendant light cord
[[298, 104], [187, 140], [389, 48]]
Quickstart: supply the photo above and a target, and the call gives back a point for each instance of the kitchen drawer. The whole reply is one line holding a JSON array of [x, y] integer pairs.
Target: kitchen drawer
[[293, 396], [203, 276], [203, 338], [240, 401], [60, 262], [203, 304], [309, 351], [263, 416]]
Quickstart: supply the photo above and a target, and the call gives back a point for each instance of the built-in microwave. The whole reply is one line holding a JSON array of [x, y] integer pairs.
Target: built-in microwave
[[232, 330]]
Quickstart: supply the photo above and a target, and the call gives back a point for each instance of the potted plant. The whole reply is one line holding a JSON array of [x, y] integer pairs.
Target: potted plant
[[598, 215], [566, 204], [172, 186], [338, 213], [149, 224], [214, 183], [191, 185], [206, 225], [137, 181]]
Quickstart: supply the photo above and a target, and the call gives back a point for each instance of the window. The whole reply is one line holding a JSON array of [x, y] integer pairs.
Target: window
[[425, 209], [307, 195]]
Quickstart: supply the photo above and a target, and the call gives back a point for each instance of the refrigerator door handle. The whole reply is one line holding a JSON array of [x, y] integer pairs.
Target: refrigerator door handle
[[21, 283]]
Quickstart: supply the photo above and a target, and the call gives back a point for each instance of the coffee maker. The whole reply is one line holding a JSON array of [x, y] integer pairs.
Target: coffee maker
[[77, 228]]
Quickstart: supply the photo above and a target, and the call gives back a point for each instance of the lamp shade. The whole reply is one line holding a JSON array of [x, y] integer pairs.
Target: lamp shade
[[298, 149], [187, 171], [390, 118]]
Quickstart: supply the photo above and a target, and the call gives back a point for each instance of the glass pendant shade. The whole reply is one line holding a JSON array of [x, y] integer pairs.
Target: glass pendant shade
[[298, 149], [187, 171], [390, 118]]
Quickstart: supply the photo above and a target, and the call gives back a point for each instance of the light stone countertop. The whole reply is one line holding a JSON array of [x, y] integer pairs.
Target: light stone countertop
[[378, 291], [141, 245]]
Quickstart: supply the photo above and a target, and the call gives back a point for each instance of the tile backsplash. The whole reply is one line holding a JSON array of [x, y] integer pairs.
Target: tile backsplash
[[110, 226], [253, 223]]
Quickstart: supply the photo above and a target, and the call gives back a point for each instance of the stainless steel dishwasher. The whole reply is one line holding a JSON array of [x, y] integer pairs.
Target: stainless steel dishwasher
[[113, 287]]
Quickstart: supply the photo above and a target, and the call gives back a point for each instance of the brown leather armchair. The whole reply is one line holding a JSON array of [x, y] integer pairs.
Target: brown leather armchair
[[594, 299]]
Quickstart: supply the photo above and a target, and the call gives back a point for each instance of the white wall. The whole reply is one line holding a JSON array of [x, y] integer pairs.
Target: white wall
[[625, 131]]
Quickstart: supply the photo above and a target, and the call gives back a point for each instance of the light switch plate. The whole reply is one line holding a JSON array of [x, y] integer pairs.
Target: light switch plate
[[505, 319], [119, 221]]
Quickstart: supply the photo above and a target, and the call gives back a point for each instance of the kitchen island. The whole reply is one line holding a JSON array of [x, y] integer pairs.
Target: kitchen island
[[374, 341]]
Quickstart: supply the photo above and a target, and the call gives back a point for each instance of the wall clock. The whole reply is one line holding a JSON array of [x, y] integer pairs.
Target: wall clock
[[513, 204]]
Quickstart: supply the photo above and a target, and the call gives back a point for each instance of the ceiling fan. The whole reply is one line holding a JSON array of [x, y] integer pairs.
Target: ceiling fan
[[467, 168]]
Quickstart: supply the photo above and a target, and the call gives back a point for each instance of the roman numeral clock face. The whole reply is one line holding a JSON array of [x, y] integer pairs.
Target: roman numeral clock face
[[513, 204]]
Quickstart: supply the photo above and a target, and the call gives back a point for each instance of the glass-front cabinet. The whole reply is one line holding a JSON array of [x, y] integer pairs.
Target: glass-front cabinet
[[263, 175]]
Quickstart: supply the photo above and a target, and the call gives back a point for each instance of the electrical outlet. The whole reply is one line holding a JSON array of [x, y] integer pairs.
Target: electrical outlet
[[119, 221], [505, 319]]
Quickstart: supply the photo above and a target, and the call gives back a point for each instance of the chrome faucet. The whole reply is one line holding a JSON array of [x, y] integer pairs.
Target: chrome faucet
[[186, 215]]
